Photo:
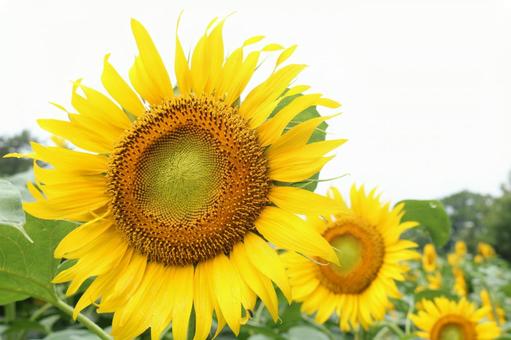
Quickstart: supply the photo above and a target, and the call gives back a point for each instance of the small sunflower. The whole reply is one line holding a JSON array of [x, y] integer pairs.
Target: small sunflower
[[460, 249], [367, 238], [485, 250], [442, 319], [460, 284], [176, 186], [429, 258], [434, 280]]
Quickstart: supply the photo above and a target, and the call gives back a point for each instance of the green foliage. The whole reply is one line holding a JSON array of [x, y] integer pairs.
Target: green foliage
[[499, 223], [430, 214], [16, 143], [27, 268], [468, 211], [11, 210]]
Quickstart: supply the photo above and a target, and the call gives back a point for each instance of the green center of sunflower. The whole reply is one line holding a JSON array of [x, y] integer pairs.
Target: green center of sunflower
[[453, 327], [360, 250], [178, 174], [188, 181], [349, 252], [451, 332]]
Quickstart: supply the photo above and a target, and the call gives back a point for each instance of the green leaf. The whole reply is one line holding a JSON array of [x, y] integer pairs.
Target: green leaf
[[430, 294], [8, 297], [21, 325], [506, 289], [11, 210], [26, 269], [318, 135], [430, 214], [305, 332]]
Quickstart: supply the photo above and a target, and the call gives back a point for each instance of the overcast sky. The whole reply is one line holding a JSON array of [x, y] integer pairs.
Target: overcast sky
[[425, 85]]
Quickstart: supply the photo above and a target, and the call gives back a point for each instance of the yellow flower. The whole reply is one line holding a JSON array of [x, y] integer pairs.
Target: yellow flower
[[485, 250], [487, 302], [453, 259], [367, 239], [478, 259], [442, 319], [434, 280], [460, 248], [176, 186], [429, 258], [460, 285]]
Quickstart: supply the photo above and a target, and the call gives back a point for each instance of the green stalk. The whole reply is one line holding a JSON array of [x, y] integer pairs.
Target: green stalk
[[10, 316], [86, 322]]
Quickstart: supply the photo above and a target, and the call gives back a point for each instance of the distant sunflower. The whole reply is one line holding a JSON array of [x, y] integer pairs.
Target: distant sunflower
[[460, 249], [442, 319], [367, 239], [485, 250], [177, 186], [429, 258]]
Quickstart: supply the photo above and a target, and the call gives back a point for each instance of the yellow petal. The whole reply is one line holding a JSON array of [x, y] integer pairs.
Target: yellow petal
[[228, 294], [260, 284], [296, 137], [298, 169], [285, 55], [120, 90], [184, 78], [267, 262], [183, 302], [152, 61], [288, 231], [202, 303], [302, 201]]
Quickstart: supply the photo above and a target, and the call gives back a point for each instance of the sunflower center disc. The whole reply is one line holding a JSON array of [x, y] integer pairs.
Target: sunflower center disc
[[453, 327], [188, 181], [360, 249]]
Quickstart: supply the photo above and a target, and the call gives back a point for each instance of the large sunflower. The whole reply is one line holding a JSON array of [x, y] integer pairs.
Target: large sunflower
[[442, 319], [176, 186], [367, 238]]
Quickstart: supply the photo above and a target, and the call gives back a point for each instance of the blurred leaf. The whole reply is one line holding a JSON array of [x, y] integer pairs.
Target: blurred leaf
[[20, 325], [430, 214], [290, 317], [27, 268], [11, 210], [72, 334], [507, 289], [304, 332], [8, 297], [430, 294], [20, 181]]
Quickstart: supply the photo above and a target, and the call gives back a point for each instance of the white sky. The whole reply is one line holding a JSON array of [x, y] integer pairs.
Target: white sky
[[425, 85]]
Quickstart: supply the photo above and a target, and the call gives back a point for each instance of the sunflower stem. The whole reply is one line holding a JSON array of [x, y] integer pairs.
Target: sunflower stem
[[85, 321], [10, 316]]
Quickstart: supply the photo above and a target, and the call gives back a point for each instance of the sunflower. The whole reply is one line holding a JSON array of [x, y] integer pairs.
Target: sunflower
[[460, 249], [460, 284], [442, 319], [485, 250], [434, 280], [176, 186], [367, 235], [429, 258]]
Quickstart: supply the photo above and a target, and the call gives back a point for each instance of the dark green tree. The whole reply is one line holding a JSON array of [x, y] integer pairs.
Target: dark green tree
[[468, 212], [499, 222], [17, 143]]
